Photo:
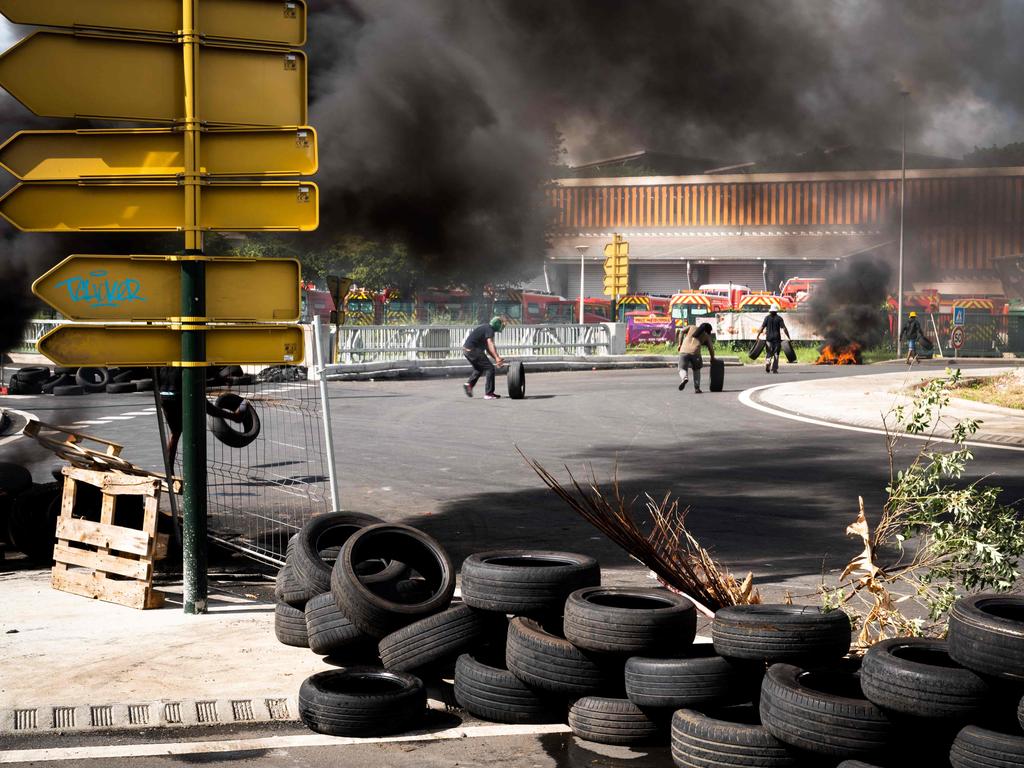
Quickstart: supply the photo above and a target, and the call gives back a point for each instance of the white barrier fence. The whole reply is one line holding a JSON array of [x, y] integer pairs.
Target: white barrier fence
[[35, 330]]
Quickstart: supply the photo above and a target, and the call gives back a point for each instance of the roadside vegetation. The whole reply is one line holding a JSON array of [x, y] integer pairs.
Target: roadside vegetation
[[1006, 391]]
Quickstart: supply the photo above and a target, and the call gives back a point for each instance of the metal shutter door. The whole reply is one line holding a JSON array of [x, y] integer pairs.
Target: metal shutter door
[[743, 273], [661, 279], [594, 280]]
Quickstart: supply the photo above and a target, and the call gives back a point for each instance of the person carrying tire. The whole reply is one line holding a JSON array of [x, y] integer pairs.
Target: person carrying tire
[[773, 328], [169, 383], [913, 333], [689, 354], [477, 346]]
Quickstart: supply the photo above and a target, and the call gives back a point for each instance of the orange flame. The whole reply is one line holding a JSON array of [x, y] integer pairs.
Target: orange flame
[[848, 355]]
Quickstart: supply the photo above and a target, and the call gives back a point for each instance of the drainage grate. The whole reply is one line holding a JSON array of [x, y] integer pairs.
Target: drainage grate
[[278, 709], [25, 720], [101, 716], [242, 710], [206, 712], [63, 717], [138, 714], [172, 712]]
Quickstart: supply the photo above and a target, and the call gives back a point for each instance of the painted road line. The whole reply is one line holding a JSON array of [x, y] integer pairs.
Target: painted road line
[[114, 751], [118, 418], [747, 398], [139, 413]]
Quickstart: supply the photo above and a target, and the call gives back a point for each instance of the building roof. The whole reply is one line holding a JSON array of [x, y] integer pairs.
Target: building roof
[[707, 247], [643, 163]]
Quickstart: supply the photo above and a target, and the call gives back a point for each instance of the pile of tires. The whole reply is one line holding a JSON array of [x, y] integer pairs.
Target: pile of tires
[[64, 382]]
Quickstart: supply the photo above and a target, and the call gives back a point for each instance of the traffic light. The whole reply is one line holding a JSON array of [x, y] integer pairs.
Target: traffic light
[[616, 267]]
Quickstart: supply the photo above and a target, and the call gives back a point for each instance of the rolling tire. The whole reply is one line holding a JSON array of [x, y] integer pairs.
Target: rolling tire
[[986, 635], [757, 349], [524, 581], [118, 389], [822, 712], [551, 663], [361, 701], [379, 615], [495, 694], [717, 375], [605, 720], [516, 380], [33, 374], [780, 633], [288, 589], [788, 351], [14, 478], [93, 380], [916, 676], [432, 640], [143, 385], [700, 741], [976, 747], [227, 434], [69, 390], [698, 680], [330, 632], [630, 621], [315, 539], [290, 625]]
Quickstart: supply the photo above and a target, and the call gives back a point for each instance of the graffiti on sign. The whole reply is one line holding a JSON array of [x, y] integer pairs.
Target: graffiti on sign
[[98, 292]]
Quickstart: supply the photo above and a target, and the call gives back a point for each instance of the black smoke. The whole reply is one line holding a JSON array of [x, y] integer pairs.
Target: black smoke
[[849, 307]]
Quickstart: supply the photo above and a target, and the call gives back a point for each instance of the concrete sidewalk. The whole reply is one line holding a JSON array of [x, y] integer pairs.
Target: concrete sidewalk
[[866, 402]]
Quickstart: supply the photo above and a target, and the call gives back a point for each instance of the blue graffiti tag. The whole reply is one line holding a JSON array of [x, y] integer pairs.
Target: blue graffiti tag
[[102, 293]]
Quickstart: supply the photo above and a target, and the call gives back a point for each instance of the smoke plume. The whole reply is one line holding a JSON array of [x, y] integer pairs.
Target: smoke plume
[[849, 307]]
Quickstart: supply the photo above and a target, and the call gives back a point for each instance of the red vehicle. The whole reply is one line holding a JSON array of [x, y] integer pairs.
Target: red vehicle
[[641, 302], [799, 289], [761, 301], [689, 306], [725, 297]]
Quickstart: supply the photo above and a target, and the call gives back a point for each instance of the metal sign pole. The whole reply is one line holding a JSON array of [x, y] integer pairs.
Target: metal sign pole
[[319, 329]]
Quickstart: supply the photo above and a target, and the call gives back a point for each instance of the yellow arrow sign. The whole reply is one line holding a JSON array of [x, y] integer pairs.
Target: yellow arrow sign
[[147, 345], [149, 288], [148, 152], [269, 21], [244, 207], [57, 74]]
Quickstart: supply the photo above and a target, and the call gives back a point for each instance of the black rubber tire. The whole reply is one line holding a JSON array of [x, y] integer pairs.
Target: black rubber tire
[[493, 693], [223, 431], [855, 764], [916, 676], [229, 371], [290, 625], [757, 349], [361, 701], [241, 381], [143, 385], [699, 680], [700, 741], [1020, 712], [516, 380], [630, 621], [780, 633], [118, 389], [330, 632], [21, 387], [14, 478], [976, 747], [716, 382], [524, 581], [32, 522], [605, 720], [788, 351], [33, 374], [315, 539], [430, 641], [129, 375], [823, 712], [380, 614], [68, 391], [986, 635], [93, 380], [58, 380], [288, 588], [551, 663]]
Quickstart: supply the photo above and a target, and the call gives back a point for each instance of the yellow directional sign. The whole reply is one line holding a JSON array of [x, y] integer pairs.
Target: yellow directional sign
[[148, 152], [268, 21], [148, 345], [149, 288], [58, 74], [226, 206]]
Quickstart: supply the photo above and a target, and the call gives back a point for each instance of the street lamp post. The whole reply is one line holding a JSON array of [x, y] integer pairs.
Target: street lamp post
[[582, 249], [903, 199]]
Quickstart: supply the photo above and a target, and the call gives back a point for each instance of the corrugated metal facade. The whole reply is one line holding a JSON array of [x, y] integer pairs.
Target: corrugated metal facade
[[660, 279], [593, 280], [742, 274]]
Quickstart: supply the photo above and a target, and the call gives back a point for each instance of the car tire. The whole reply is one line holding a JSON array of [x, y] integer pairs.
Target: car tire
[[241, 381], [525, 582], [129, 375], [288, 588], [547, 662], [788, 351], [316, 538], [986, 635], [93, 380], [231, 437], [430, 641], [916, 676], [143, 385], [492, 693], [329, 630], [57, 380], [976, 747], [119, 389], [33, 374], [824, 712], [631, 621], [698, 680], [290, 625], [757, 349], [70, 390], [733, 740], [1020, 712], [379, 614], [606, 720], [516, 380], [774, 633], [32, 522], [361, 701], [14, 478]]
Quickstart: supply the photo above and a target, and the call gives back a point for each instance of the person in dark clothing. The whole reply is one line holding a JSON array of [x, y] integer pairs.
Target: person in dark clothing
[[477, 346], [169, 387], [773, 327], [913, 333]]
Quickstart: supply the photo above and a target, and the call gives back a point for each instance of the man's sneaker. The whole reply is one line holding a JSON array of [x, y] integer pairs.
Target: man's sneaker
[[492, 397], [697, 391], [682, 384], [768, 368], [468, 389]]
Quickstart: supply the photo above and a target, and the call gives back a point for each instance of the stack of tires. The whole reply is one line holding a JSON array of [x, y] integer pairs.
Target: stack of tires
[[63, 382]]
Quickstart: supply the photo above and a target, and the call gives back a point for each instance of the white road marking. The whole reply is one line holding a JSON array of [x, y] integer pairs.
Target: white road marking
[[90, 423], [118, 418], [746, 398], [63, 754], [139, 413]]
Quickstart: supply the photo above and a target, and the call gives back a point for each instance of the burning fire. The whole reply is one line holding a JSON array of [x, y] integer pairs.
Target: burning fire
[[848, 355]]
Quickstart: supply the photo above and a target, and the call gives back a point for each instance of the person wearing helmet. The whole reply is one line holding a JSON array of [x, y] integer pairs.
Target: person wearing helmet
[[773, 327], [478, 345], [913, 333], [689, 354]]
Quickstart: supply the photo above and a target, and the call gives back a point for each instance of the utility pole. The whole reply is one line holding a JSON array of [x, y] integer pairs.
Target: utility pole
[[582, 250], [903, 200]]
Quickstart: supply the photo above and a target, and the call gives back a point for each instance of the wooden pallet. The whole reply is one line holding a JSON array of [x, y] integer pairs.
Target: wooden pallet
[[104, 560]]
